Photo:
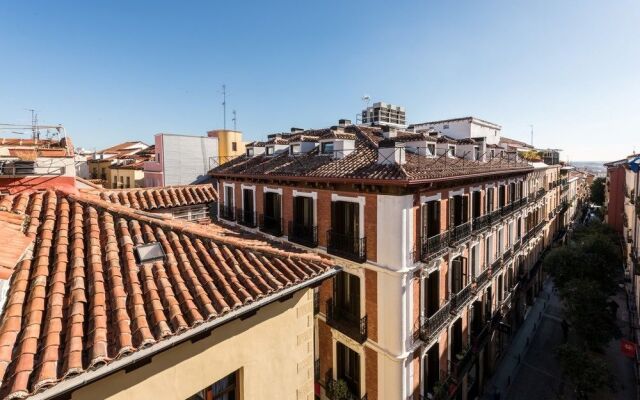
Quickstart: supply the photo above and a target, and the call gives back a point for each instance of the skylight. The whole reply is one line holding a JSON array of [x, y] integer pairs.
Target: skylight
[[149, 252]]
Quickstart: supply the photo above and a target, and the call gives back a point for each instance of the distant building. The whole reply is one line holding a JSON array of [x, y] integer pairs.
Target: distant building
[[180, 159], [230, 144], [36, 164], [384, 114], [463, 128], [100, 162], [615, 194]]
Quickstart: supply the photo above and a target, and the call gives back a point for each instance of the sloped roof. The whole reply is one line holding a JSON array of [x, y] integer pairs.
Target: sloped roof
[[81, 301], [153, 198], [361, 165]]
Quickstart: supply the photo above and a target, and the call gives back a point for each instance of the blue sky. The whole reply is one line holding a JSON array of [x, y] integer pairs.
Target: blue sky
[[114, 71]]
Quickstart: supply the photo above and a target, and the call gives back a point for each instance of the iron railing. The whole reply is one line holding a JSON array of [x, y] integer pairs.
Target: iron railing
[[459, 299], [481, 279], [271, 225], [461, 364], [227, 212], [434, 246], [355, 328], [306, 235], [460, 232], [349, 396], [481, 222], [247, 218], [347, 246], [430, 326]]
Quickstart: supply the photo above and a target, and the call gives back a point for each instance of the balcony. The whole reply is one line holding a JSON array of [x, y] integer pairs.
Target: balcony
[[480, 280], [303, 234], [458, 300], [481, 223], [347, 246], [460, 233], [271, 225], [247, 218], [496, 266], [506, 256], [516, 245], [508, 209], [479, 340], [227, 212], [461, 364], [540, 193], [434, 246], [432, 325], [340, 320]]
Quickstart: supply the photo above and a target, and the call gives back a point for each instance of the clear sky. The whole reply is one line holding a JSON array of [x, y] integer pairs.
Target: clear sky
[[113, 71]]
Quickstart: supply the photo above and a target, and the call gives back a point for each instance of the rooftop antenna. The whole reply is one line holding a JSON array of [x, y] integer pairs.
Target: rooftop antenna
[[531, 126], [235, 120], [366, 99], [224, 106], [34, 124]]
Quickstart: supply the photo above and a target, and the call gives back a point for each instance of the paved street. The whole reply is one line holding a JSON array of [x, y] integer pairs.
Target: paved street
[[530, 369]]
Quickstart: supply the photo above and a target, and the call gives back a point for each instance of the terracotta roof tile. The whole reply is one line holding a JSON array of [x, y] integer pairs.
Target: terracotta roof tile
[[153, 198], [79, 299]]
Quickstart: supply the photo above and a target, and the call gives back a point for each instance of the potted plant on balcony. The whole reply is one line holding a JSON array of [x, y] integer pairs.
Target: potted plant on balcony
[[338, 390]]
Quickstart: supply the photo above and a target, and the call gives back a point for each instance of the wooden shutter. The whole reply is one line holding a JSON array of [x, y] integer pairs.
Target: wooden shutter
[[465, 208], [436, 217], [451, 212]]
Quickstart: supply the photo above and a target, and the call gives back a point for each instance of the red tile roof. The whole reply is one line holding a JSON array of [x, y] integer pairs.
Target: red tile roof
[[81, 301], [361, 165], [161, 197], [14, 241]]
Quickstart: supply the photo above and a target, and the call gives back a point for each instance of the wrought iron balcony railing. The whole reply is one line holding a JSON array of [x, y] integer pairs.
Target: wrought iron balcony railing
[[434, 246], [351, 326], [227, 212], [482, 222], [347, 246], [481, 279], [461, 364], [271, 225], [247, 218], [460, 233], [305, 235], [459, 299], [430, 326]]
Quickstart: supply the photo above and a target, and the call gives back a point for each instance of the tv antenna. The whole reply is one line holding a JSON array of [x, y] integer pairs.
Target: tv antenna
[[35, 133], [531, 126], [224, 106], [366, 98], [234, 119]]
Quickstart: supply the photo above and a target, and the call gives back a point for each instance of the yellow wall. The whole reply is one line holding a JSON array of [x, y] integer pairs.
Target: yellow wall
[[136, 178], [97, 166], [226, 138], [273, 350]]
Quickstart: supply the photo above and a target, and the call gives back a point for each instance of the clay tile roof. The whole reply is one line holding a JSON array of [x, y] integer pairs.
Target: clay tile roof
[[79, 300], [361, 165], [14, 241], [152, 198]]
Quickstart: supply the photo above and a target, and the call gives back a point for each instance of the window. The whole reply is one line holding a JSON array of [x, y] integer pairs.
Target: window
[[348, 367], [294, 149], [452, 150], [226, 388], [327, 148], [269, 150], [128, 181], [250, 152], [432, 149], [445, 126], [347, 296], [234, 146]]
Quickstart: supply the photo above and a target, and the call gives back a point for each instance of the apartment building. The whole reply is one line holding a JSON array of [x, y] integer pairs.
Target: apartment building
[[113, 164], [439, 240], [103, 300]]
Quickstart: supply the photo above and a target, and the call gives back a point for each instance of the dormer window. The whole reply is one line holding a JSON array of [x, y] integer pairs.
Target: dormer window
[[250, 152], [432, 149], [452, 150], [327, 148], [294, 149], [269, 150]]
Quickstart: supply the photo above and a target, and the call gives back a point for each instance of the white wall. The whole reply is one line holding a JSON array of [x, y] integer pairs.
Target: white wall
[[186, 158]]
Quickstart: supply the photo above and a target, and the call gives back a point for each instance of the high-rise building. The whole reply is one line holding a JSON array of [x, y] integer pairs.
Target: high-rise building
[[384, 114]]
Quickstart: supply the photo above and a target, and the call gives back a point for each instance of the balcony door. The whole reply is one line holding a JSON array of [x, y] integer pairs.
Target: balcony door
[[228, 196], [477, 317], [459, 210], [459, 274], [456, 338], [431, 294], [502, 196], [431, 369], [490, 199], [303, 211], [345, 219], [272, 212], [512, 192], [476, 203], [347, 296], [348, 363], [431, 218]]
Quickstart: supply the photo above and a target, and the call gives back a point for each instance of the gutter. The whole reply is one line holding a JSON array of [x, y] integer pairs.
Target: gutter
[[64, 389]]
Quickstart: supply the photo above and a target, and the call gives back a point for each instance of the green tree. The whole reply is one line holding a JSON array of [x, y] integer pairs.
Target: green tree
[[587, 372], [597, 191]]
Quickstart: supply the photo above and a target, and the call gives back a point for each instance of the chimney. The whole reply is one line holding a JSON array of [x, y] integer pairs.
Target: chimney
[[389, 131], [344, 122], [390, 152]]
